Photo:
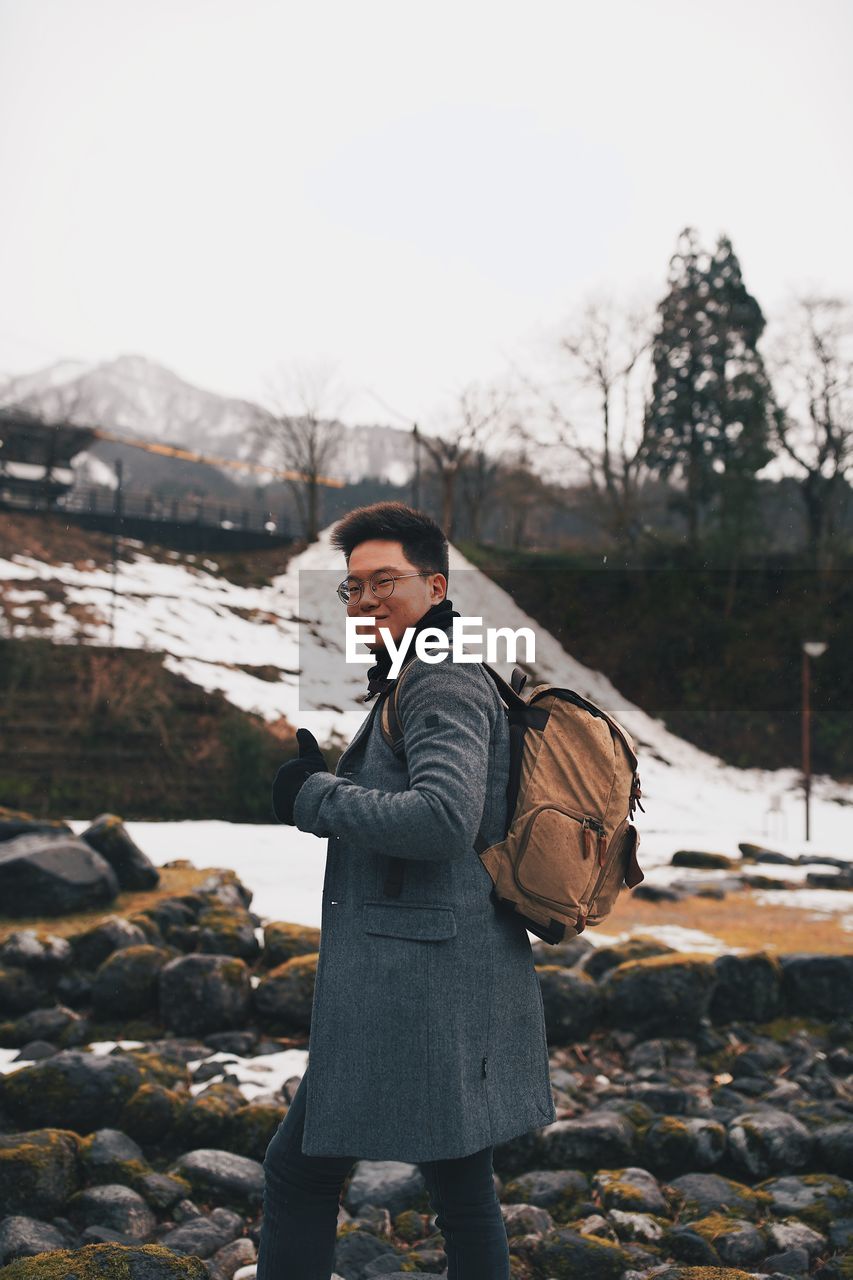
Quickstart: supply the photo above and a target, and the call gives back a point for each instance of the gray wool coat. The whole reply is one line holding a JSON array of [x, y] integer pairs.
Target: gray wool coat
[[427, 1033]]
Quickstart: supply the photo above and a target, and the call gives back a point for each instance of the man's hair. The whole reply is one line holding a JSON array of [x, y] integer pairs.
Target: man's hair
[[422, 540]]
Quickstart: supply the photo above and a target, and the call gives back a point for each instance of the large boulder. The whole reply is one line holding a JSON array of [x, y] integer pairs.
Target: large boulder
[[108, 836], [81, 1091], [202, 993], [52, 875], [16, 822], [748, 988]]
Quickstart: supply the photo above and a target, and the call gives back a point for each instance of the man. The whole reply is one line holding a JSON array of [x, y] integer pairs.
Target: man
[[427, 1029]]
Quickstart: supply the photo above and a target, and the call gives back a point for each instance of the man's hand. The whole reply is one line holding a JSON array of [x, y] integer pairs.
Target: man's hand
[[291, 775]]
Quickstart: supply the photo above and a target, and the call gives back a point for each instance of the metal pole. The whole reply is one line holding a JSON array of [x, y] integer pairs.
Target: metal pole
[[806, 725], [116, 522]]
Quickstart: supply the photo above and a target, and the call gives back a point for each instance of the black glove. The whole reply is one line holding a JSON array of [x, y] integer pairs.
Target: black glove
[[291, 775]]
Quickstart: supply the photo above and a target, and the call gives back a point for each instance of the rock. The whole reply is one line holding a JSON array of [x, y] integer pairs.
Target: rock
[[228, 933], [21, 1237], [524, 1219], [200, 993], [35, 1051], [663, 993], [39, 1170], [757, 853], [736, 1241], [795, 1235], [41, 1024], [571, 1001], [81, 1090], [51, 875], [681, 1144], [198, 1236], [20, 990], [151, 1112], [355, 1251], [555, 1189], [707, 1193], [126, 984], [390, 1184], [240, 1043], [230, 1258], [814, 1198], [598, 1140], [601, 960], [769, 1141], [253, 1126], [818, 986], [107, 1152], [793, 1262], [108, 836], [566, 954], [162, 1190], [285, 995], [657, 893], [114, 1206], [206, 1120], [92, 946], [107, 1262], [748, 988], [632, 1188], [17, 822], [564, 1252], [32, 950], [703, 860], [835, 1148], [635, 1226], [222, 1176]]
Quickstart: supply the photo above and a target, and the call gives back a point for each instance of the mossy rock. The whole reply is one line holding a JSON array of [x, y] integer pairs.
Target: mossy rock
[[702, 859], [79, 1090], [564, 1254], [703, 1273], [152, 1113], [157, 1069], [817, 1199], [284, 997], [126, 982], [252, 1128], [204, 993], [39, 1170], [283, 941], [20, 991], [206, 1120], [228, 932], [107, 1262], [663, 994], [603, 959]]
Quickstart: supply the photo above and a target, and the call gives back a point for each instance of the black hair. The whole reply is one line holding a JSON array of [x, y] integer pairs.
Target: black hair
[[422, 540]]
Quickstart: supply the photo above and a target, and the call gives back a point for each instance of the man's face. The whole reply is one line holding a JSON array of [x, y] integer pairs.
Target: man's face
[[409, 600]]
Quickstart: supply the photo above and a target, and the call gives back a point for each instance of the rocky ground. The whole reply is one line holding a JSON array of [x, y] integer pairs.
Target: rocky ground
[[705, 1104]]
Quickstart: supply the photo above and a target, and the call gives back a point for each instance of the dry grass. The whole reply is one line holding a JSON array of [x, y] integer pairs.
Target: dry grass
[[174, 881], [739, 920]]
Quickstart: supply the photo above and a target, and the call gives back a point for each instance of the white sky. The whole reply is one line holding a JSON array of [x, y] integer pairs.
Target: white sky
[[410, 191]]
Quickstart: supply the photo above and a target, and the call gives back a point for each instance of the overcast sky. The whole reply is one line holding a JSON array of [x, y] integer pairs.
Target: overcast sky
[[413, 192]]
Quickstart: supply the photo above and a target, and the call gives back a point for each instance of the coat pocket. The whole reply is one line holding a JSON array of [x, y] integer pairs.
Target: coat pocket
[[409, 920]]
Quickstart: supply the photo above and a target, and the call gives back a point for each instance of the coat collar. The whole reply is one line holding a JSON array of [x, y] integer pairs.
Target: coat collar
[[440, 615]]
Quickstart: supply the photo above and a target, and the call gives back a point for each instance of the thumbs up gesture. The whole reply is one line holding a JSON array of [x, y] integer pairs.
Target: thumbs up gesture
[[293, 773]]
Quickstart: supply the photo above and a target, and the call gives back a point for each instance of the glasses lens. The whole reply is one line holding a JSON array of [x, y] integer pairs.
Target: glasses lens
[[382, 586]]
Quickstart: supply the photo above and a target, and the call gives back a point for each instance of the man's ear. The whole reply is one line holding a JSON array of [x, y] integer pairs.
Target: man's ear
[[439, 587]]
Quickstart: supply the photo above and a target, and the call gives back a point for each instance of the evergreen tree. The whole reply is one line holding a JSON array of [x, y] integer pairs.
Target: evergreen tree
[[709, 417]]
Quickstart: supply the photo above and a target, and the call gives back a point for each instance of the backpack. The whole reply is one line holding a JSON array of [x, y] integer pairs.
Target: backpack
[[573, 787]]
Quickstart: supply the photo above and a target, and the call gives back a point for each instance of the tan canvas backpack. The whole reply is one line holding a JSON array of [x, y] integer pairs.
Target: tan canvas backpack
[[573, 787]]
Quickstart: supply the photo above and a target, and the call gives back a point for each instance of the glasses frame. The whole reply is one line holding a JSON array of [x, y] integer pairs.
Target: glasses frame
[[342, 587]]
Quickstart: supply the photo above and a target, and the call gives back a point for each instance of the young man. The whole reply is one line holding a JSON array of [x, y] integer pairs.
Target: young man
[[427, 1029]]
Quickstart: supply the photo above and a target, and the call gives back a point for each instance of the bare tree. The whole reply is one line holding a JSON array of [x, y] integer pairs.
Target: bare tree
[[301, 433], [811, 361], [596, 413], [479, 415]]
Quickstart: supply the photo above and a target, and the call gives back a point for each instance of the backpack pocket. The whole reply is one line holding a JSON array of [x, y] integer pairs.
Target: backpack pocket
[[557, 859], [620, 867]]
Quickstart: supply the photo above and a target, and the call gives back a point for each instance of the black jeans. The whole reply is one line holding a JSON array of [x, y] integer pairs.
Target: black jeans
[[302, 1196]]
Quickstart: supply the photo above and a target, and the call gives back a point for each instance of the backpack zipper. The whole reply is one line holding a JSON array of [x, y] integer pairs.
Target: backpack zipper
[[587, 824]]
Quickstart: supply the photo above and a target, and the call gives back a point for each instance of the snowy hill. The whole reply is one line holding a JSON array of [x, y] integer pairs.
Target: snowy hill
[[138, 397]]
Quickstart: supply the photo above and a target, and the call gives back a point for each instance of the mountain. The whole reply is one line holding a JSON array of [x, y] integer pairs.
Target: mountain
[[140, 398]]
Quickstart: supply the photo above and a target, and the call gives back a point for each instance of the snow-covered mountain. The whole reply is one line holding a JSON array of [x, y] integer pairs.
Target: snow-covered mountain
[[140, 398]]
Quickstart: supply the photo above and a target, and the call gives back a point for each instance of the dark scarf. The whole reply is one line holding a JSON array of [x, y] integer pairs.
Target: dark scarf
[[439, 615]]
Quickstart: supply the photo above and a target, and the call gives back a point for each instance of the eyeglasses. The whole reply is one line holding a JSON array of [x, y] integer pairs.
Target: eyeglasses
[[381, 584]]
